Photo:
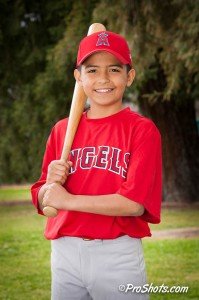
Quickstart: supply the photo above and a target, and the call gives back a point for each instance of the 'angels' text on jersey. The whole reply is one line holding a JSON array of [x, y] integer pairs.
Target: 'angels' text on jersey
[[101, 157]]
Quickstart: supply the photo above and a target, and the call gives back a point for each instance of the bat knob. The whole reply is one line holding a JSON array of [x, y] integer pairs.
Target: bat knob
[[95, 27], [50, 211]]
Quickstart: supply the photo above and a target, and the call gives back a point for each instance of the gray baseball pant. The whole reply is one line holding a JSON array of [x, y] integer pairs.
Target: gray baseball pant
[[97, 269]]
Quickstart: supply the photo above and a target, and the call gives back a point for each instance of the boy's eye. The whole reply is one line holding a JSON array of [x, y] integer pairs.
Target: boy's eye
[[114, 70], [91, 70]]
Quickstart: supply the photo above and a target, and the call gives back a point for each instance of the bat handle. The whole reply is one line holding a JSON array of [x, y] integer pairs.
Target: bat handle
[[50, 211]]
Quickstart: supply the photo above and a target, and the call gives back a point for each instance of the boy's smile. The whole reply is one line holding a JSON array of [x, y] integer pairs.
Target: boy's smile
[[104, 79]]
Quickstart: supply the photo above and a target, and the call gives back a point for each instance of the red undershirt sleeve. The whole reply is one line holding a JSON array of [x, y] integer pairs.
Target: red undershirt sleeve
[[49, 155], [144, 176]]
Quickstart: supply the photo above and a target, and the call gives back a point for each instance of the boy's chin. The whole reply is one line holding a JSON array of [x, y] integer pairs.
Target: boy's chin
[[105, 103]]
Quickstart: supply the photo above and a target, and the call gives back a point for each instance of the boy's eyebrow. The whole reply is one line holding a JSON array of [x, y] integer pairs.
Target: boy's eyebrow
[[116, 65], [95, 66], [91, 66]]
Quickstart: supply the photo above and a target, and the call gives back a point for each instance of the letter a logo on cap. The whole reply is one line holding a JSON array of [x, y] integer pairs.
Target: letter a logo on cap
[[102, 39]]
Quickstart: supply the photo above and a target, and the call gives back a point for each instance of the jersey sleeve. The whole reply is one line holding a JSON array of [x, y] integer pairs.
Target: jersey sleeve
[[144, 176], [49, 155]]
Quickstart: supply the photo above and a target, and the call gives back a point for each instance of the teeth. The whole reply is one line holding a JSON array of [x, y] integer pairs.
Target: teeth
[[103, 90]]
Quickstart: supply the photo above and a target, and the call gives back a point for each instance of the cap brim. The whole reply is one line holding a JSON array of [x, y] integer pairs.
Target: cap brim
[[117, 55]]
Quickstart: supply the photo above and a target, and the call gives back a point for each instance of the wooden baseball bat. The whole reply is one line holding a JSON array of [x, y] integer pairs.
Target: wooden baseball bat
[[77, 108]]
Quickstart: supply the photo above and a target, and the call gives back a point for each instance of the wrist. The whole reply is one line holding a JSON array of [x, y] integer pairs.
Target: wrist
[[70, 201], [48, 181]]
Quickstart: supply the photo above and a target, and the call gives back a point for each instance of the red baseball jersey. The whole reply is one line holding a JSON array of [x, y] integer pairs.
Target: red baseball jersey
[[118, 154]]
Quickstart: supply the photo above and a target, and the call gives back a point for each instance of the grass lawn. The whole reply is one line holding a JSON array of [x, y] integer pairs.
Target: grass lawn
[[25, 266], [24, 255], [14, 194], [174, 263], [177, 218]]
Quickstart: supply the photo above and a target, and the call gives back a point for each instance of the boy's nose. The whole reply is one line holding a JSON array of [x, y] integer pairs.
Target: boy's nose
[[104, 77]]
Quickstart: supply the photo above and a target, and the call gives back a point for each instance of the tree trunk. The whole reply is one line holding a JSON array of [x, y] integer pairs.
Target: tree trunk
[[180, 141]]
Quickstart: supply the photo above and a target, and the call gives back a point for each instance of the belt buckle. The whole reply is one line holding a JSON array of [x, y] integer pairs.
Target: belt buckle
[[85, 239]]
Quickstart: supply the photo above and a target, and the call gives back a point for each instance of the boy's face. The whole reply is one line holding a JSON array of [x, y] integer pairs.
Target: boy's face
[[104, 79]]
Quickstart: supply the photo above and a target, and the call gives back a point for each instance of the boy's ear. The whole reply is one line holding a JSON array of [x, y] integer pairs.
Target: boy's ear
[[130, 77], [77, 76]]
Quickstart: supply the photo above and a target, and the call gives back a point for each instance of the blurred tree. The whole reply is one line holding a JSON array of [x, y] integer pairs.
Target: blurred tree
[[28, 29], [163, 38], [38, 42]]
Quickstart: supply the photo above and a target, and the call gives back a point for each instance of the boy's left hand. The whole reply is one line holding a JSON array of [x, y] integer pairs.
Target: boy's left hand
[[57, 196]]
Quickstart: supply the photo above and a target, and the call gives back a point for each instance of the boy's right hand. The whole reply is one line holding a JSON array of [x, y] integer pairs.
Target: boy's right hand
[[58, 171]]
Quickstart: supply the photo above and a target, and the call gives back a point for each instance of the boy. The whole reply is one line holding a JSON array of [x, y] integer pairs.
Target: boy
[[113, 185]]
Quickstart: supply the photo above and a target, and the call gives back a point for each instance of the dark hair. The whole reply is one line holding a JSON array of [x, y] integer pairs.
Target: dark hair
[[128, 68]]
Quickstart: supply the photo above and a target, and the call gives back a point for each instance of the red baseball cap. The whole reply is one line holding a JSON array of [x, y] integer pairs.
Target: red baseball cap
[[104, 41]]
